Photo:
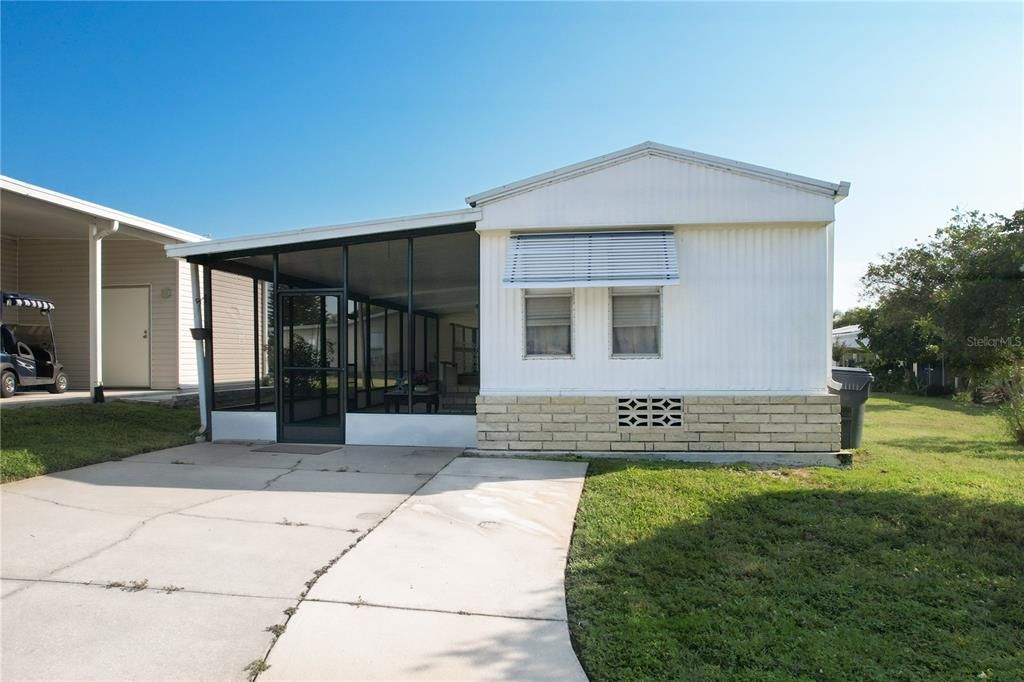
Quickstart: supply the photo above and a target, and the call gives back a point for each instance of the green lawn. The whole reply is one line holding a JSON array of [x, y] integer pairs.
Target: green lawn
[[909, 565], [38, 440]]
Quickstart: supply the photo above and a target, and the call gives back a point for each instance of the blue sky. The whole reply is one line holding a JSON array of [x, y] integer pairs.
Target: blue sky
[[229, 119]]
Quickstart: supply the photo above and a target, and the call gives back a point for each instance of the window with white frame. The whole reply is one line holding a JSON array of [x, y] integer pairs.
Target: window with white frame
[[548, 321], [636, 321]]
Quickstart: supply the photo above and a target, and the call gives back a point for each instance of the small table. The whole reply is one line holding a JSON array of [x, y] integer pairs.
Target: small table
[[397, 398]]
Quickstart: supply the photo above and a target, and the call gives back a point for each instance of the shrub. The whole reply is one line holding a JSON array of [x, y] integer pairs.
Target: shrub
[[1005, 388]]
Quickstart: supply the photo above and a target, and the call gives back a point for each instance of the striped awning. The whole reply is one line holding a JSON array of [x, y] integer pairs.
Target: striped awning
[[591, 259], [27, 301]]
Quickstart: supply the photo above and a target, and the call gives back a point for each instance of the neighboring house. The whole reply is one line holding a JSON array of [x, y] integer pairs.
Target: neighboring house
[[601, 306], [851, 345], [123, 309]]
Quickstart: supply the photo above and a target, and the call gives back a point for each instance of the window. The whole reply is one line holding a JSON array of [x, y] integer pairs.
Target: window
[[548, 316], [636, 321]]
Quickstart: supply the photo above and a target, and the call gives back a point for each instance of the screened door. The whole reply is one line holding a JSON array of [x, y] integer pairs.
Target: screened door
[[311, 405]]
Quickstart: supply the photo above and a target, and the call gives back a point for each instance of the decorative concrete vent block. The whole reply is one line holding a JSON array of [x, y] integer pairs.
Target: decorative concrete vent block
[[646, 413]]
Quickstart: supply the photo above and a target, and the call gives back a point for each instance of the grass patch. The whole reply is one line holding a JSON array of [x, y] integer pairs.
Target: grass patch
[[906, 566], [40, 440]]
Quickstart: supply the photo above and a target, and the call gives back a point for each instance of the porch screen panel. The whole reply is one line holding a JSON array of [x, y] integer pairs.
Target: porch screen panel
[[591, 259]]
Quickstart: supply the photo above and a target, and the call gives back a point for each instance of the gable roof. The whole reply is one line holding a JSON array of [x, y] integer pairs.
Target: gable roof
[[838, 191]]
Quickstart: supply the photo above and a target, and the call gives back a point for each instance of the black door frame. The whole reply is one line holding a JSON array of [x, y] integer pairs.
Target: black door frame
[[341, 369]]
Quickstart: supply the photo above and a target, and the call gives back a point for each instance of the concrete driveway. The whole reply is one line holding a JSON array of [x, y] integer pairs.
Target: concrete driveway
[[373, 562]]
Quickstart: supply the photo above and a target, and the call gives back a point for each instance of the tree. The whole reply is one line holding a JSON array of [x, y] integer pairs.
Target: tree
[[845, 318], [958, 296]]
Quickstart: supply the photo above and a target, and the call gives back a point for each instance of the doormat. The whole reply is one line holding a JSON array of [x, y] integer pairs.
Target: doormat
[[297, 448]]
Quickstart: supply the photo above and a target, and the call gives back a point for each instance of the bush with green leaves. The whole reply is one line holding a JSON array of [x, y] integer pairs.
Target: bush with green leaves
[[1005, 389]]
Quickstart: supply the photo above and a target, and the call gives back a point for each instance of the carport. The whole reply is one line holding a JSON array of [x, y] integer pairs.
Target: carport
[[80, 255]]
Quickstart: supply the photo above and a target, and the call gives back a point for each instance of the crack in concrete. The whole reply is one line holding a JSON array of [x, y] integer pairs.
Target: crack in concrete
[[266, 523], [144, 522], [430, 610], [181, 590], [71, 506], [326, 567]]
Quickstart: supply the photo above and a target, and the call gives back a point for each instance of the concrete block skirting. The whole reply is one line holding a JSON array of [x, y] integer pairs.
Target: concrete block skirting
[[770, 429]]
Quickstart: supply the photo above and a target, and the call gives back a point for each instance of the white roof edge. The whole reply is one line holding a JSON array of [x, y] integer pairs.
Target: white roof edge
[[315, 234], [837, 190], [87, 207]]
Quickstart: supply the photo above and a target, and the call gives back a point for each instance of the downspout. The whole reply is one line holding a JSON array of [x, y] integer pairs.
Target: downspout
[[96, 235], [830, 237], [197, 322], [841, 192]]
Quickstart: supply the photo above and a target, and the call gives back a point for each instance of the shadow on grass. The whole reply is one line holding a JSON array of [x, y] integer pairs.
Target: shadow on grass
[[805, 583]]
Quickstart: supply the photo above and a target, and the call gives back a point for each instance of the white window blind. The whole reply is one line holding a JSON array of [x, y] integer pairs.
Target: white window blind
[[548, 321], [636, 321], [591, 259]]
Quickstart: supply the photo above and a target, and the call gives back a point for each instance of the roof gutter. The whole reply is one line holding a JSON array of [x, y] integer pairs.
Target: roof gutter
[[842, 192]]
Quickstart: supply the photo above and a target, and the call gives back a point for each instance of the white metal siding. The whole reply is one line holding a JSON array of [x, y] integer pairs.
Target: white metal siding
[[653, 190], [187, 374], [750, 314]]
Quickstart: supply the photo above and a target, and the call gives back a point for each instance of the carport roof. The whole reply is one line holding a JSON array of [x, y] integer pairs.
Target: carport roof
[[31, 211]]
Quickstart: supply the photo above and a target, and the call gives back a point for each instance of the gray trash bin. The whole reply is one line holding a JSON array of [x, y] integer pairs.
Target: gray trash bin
[[856, 383]]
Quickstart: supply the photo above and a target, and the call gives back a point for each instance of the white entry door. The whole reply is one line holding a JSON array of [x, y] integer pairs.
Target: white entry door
[[126, 337]]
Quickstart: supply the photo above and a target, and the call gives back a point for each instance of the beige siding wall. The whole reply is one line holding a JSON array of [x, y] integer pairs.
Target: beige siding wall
[[232, 328], [9, 272], [137, 262], [59, 269]]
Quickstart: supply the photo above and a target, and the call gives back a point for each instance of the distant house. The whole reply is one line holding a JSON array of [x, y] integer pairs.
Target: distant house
[[850, 345], [601, 306]]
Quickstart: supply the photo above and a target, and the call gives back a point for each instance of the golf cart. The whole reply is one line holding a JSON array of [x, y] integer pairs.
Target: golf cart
[[29, 355]]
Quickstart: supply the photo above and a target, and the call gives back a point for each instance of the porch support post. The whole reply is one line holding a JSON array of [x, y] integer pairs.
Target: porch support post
[[197, 323], [96, 235], [411, 330]]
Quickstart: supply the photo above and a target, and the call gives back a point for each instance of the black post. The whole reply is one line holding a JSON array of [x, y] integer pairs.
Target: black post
[[367, 357], [291, 358], [412, 326], [277, 352], [256, 339], [355, 352], [323, 354], [343, 341]]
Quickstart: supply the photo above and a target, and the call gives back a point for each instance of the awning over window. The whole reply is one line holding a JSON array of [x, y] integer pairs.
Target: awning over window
[[26, 301], [591, 259]]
